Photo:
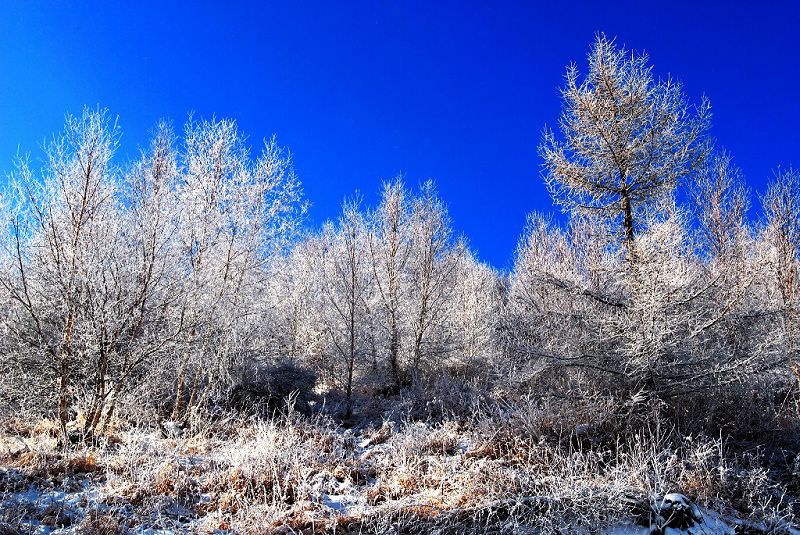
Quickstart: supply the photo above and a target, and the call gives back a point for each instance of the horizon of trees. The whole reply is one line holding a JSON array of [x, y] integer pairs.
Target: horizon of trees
[[168, 282]]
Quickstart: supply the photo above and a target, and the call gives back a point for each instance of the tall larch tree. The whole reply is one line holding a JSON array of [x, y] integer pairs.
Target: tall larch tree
[[627, 139]]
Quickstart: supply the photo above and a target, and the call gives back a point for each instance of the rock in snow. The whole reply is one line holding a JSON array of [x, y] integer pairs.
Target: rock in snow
[[676, 511], [674, 514], [173, 429]]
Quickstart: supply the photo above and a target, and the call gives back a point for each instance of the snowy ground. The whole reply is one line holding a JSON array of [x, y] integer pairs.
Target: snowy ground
[[303, 478], [50, 511]]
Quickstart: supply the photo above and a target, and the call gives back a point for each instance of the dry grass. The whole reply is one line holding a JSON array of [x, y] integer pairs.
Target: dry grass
[[514, 465]]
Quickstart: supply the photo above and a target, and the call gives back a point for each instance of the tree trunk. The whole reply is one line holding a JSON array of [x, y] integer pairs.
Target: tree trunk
[[394, 346], [64, 371], [627, 214]]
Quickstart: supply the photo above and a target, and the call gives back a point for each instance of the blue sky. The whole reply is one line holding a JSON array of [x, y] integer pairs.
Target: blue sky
[[361, 91]]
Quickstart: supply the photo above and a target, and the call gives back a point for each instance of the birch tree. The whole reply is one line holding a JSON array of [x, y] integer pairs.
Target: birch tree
[[234, 213], [390, 250], [64, 245], [106, 271], [295, 296], [475, 315], [433, 266], [347, 283]]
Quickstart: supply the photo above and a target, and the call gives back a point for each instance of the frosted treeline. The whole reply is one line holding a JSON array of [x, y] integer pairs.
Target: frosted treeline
[[158, 286]]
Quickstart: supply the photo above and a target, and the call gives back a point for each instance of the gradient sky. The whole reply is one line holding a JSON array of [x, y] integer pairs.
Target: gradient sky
[[361, 91]]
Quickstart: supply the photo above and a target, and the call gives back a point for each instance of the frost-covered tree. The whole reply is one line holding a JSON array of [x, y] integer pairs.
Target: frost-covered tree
[[234, 213], [675, 314], [65, 240], [474, 316], [347, 283], [734, 264], [781, 205], [107, 271], [721, 200], [390, 249], [136, 324], [671, 321], [293, 300], [560, 294], [667, 325], [85, 271], [627, 139], [432, 269]]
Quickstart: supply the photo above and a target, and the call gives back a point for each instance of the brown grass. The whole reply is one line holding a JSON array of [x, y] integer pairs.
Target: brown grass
[[279, 473]]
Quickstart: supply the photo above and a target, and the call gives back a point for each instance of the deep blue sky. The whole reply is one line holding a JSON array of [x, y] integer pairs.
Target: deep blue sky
[[360, 91]]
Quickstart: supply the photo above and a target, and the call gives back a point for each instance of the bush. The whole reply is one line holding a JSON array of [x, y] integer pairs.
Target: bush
[[265, 390]]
